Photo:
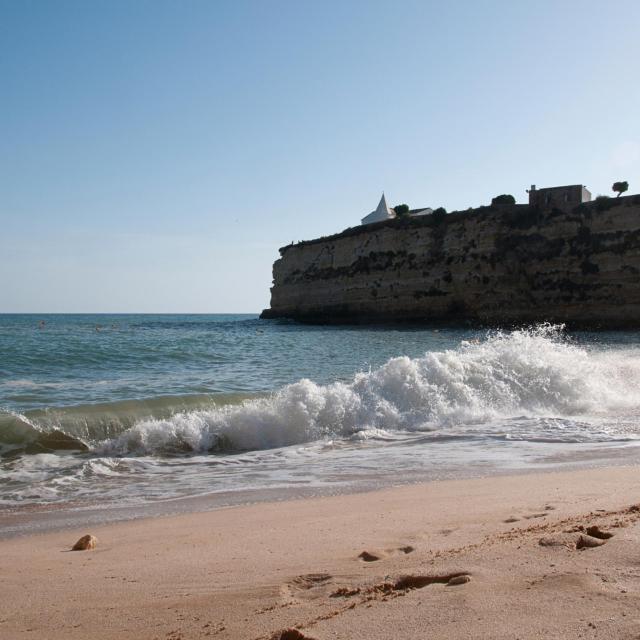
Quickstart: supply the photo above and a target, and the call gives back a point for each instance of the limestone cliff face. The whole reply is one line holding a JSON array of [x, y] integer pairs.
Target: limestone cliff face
[[492, 265]]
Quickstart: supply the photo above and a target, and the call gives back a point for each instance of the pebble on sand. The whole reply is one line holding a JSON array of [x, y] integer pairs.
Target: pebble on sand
[[85, 543]]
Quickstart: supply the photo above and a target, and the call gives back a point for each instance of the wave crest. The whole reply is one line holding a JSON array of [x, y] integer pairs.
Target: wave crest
[[533, 372]]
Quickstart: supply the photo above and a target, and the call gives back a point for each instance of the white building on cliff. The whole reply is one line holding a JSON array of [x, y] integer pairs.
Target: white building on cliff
[[381, 213]]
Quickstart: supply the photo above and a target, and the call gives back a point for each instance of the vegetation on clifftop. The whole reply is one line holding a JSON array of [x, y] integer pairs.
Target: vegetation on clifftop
[[505, 198], [620, 187], [402, 210], [439, 214]]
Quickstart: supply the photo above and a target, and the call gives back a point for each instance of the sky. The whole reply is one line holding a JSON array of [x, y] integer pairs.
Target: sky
[[155, 155]]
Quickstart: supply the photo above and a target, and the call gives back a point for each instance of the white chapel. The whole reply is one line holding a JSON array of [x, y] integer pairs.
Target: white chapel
[[381, 213]]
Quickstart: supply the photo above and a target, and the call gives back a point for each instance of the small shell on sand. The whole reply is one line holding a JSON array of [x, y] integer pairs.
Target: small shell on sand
[[85, 543]]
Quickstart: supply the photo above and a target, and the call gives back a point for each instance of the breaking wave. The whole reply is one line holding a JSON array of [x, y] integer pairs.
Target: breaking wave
[[516, 376], [535, 372]]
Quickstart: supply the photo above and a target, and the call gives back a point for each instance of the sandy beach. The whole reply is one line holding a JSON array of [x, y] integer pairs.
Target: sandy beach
[[319, 321], [503, 557]]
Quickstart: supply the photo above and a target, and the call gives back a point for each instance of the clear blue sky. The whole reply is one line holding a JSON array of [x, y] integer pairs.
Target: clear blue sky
[[154, 155]]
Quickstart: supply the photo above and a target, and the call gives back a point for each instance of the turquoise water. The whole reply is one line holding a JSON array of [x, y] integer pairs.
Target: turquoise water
[[106, 409], [81, 359]]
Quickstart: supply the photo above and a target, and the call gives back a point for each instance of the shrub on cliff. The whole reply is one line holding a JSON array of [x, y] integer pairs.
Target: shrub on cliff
[[620, 187], [402, 210], [439, 214], [505, 198], [604, 202]]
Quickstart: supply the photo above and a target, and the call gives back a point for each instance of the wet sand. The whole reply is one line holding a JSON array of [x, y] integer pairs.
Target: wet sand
[[553, 555]]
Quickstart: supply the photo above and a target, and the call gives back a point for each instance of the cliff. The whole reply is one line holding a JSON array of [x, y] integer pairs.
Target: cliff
[[493, 265]]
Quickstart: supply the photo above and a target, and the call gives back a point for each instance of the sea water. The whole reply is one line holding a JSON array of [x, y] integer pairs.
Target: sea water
[[104, 410]]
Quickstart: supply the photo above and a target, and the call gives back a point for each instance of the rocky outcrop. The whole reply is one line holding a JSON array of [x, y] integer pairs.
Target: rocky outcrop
[[494, 265]]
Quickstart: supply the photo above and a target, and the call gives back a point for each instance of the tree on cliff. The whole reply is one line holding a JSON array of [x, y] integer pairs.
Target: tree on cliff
[[620, 187], [402, 210], [505, 198]]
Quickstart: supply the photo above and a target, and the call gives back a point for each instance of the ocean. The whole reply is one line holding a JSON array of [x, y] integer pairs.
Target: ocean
[[103, 412]]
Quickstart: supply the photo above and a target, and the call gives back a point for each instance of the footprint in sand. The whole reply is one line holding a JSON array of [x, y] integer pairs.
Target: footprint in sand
[[310, 580], [593, 537], [406, 549], [308, 586], [595, 532], [419, 582], [404, 584], [345, 592], [543, 513], [290, 634], [579, 537], [368, 556], [587, 542]]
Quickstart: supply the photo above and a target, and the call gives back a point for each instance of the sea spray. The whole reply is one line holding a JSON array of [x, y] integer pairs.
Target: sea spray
[[533, 372]]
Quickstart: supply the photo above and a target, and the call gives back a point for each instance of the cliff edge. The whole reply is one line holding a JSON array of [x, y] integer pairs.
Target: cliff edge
[[494, 265]]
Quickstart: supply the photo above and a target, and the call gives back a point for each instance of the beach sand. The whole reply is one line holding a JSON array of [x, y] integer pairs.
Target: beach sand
[[517, 547]]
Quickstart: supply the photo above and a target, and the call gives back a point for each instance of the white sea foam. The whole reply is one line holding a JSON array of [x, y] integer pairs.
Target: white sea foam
[[525, 374]]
